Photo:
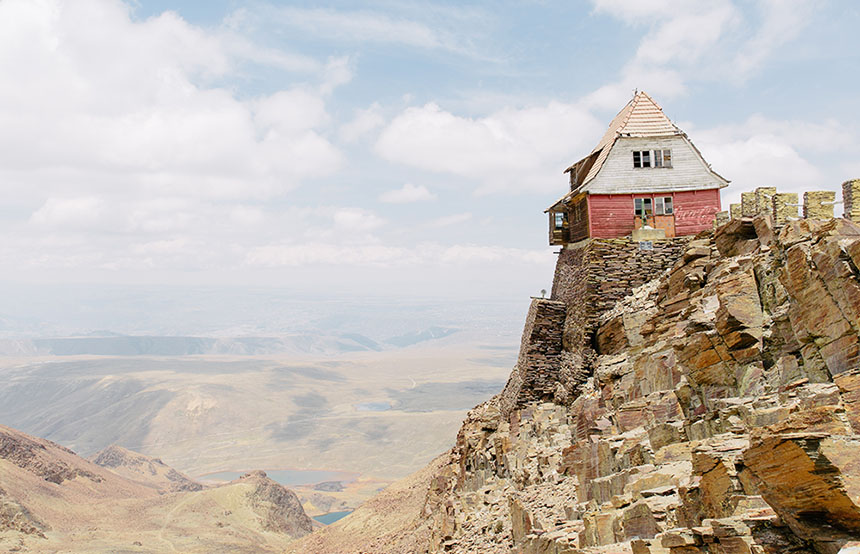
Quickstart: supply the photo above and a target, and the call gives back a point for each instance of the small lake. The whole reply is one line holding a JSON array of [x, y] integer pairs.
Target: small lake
[[287, 476], [331, 517]]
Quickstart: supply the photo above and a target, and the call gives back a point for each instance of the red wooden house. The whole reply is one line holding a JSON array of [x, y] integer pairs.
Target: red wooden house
[[645, 169]]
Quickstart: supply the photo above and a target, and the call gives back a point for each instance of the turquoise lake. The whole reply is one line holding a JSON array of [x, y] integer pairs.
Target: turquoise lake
[[331, 517], [287, 476]]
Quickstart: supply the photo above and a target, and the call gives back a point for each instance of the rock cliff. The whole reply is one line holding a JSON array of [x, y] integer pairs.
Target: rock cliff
[[714, 410]]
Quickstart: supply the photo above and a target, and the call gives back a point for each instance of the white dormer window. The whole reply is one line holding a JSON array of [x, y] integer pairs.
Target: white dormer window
[[652, 158]]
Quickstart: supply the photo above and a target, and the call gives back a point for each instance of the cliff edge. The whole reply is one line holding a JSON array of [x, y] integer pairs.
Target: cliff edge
[[714, 410]]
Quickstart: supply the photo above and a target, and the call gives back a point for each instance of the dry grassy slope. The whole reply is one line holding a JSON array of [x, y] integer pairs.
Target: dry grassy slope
[[721, 416], [53, 501]]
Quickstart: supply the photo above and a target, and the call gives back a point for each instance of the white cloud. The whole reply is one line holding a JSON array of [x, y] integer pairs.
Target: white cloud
[[362, 123], [707, 41], [359, 25], [356, 219], [338, 71], [791, 155], [94, 95], [453, 219], [510, 150], [782, 21], [70, 212], [293, 255], [406, 194]]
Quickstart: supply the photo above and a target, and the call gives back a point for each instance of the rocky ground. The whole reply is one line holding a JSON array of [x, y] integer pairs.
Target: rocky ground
[[720, 414]]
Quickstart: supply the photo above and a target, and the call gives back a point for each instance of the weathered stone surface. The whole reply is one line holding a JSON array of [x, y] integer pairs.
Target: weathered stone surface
[[737, 237], [818, 204], [812, 480], [851, 199], [784, 206]]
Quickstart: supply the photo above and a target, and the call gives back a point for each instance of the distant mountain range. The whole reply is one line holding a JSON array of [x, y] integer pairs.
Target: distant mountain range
[[112, 344]]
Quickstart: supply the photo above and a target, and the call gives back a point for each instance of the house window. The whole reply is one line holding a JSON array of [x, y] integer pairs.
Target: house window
[[643, 158], [663, 205], [642, 206], [559, 220]]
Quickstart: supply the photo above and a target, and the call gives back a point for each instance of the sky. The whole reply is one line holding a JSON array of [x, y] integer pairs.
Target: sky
[[384, 147]]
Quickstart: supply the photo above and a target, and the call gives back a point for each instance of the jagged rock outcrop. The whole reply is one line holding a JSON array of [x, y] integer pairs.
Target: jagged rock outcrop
[[279, 508], [144, 469], [35, 456], [719, 415]]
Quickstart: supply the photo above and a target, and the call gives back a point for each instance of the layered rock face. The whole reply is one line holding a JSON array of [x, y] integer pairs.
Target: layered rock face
[[720, 414]]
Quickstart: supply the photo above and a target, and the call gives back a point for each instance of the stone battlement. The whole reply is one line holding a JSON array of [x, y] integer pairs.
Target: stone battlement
[[784, 207]]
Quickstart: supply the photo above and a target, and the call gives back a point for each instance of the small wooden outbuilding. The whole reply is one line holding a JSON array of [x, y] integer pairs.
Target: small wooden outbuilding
[[645, 170]]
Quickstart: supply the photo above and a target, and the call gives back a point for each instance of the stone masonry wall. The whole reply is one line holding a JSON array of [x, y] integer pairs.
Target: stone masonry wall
[[592, 276], [818, 204], [748, 204], [763, 199], [570, 285], [851, 199], [784, 206], [537, 373]]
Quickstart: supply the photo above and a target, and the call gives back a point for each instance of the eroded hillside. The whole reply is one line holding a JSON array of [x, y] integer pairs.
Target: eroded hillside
[[716, 410], [51, 500]]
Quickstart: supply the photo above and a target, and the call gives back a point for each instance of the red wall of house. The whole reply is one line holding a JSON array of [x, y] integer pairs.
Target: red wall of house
[[695, 210], [611, 215]]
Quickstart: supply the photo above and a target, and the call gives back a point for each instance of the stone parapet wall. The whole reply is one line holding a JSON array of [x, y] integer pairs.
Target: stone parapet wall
[[764, 199], [748, 204], [818, 204], [851, 199], [784, 206], [735, 211]]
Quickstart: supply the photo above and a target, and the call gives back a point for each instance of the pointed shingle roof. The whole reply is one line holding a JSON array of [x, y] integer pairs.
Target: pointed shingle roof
[[641, 117]]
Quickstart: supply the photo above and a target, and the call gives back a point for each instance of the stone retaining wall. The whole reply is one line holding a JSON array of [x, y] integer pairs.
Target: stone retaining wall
[[537, 373], [590, 277]]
